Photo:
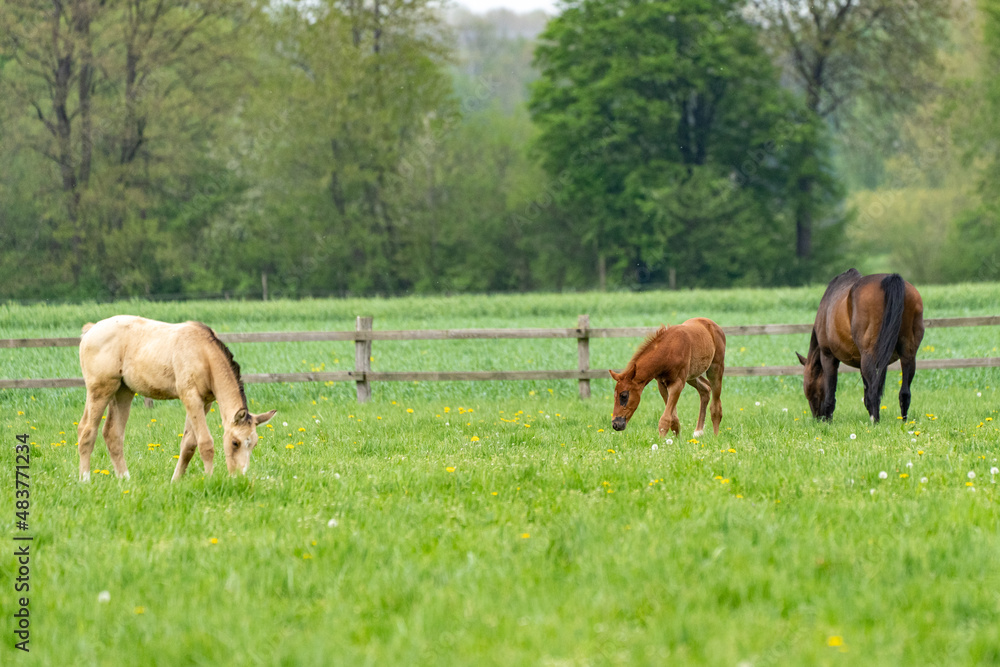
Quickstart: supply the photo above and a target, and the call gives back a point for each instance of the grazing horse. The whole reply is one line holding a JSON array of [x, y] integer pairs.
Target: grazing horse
[[124, 355], [867, 322], [673, 356]]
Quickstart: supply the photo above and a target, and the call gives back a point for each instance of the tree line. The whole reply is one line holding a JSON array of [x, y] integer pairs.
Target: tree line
[[169, 147]]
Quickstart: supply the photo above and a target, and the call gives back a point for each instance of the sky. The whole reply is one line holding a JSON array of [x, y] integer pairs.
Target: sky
[[521, 6]]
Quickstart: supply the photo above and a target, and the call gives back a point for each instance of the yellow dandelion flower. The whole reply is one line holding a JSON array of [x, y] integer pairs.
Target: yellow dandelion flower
[[306, 556], [732, 451], [140, 610], [410, 410], [903, 475], [611, 451], [289, 446], [835, 640], [214, 540], [450, 469], [302, 428], [474, 438], [525, 536]]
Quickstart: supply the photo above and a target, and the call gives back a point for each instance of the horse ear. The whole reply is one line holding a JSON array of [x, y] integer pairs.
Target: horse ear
[[615, 376], [629, 373], [802, 360], [263, 418], [240, 416]]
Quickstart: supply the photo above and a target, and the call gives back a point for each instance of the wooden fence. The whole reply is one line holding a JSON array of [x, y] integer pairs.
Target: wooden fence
[[364, 335]]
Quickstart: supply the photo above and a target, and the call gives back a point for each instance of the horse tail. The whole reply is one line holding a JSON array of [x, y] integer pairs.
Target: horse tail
[[894, 291], [86, 327]]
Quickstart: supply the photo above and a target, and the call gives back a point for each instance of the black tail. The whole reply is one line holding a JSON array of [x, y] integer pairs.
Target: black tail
[[892, 319]]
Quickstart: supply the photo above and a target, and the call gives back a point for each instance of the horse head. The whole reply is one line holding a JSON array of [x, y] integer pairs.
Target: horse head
[[812, 382], [627, 395], [240, 437]]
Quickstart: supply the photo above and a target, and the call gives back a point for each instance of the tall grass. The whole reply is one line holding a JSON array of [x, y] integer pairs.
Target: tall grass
[[505, 523]]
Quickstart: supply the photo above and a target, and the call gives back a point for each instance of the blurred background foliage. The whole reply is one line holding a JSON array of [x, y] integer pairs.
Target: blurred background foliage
[[171, 149]]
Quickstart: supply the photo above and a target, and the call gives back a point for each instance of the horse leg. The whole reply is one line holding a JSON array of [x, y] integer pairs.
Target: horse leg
[[196, 413], [830, 365], [98, 397], [703, 393], [714, 375], [671, 394], [909, 367], [114, 429], [189, 444], [874, 384]]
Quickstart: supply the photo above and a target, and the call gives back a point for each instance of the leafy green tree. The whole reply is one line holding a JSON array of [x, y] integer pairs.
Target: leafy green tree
[[120, 100], [672, 143], [350, 87], [847, 56]]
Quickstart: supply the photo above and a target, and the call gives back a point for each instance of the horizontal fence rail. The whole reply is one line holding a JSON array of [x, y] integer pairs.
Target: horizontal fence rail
[[363, 337]]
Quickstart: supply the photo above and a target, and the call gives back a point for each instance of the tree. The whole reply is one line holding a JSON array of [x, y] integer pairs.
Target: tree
[[351, 87], [672, 143], [123, 98], [841, 52]]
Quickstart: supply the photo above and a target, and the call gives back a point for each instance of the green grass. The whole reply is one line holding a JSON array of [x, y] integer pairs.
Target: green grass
[[504, 523]]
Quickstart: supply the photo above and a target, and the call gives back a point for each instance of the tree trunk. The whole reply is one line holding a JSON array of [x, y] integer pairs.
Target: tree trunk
[[602, 272]]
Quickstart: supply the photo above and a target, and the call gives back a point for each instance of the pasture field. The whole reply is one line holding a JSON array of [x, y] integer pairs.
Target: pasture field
[[506, 523]]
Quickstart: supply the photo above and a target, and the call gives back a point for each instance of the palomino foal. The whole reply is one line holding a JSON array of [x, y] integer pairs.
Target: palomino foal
[[673, 357], [125, 355]]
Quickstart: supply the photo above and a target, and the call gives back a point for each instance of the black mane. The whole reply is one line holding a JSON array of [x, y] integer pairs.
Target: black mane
[[233, 365]]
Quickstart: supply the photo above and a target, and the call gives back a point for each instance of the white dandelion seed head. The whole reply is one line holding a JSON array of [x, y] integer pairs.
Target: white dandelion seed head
[[913, 439], [972, 488], [909, 464], [332, 523], [923, 480], [284, 423], [994, 470], [822, 451], [104, 597], [655, 447], [756, 403], [972, 474], [670, 441], [317, 421], [784, 409], [883, 475], [336, 475], [854, 436], [979, 393], [871, 491]]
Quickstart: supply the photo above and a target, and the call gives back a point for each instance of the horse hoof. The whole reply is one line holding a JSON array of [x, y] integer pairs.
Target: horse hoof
[[697, 434]]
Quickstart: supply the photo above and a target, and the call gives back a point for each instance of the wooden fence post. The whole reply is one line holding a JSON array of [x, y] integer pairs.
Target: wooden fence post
[[363, 360], [583, 353]]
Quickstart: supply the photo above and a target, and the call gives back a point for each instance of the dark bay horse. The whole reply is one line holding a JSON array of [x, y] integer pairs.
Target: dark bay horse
[[124, 355], [866, 322], [674, 356]]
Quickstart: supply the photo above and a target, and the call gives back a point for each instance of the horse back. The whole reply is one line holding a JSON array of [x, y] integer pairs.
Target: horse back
[[708, 344], [152, 358]]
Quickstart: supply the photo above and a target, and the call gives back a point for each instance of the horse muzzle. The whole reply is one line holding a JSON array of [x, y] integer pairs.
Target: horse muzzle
[[618, 423]]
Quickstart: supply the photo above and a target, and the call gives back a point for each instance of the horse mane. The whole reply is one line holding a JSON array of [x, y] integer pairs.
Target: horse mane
[[646, 344], [228, 356]]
